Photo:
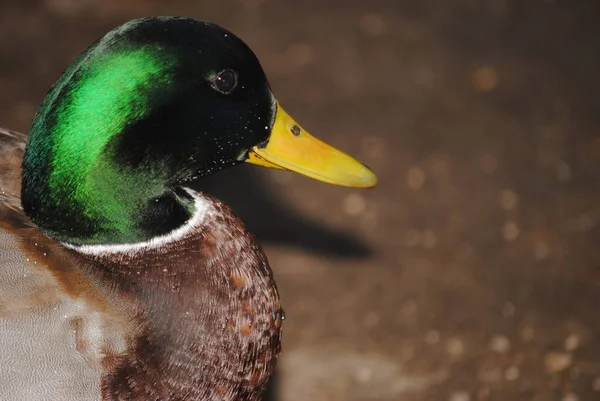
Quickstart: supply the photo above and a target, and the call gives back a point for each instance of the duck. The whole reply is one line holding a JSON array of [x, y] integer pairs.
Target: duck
[[117, 280]]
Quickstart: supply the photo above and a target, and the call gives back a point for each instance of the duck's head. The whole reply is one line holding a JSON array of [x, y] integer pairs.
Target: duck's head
[[153, 104]]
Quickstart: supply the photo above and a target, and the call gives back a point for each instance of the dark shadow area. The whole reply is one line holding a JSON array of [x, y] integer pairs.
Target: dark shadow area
[[245, 190], [272, 388]]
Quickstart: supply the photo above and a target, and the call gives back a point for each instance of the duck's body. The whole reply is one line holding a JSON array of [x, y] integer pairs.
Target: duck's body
[[116, 281], [205, 326]]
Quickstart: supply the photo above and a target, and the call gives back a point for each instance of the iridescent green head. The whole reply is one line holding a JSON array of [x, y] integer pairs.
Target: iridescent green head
[[153, 104]]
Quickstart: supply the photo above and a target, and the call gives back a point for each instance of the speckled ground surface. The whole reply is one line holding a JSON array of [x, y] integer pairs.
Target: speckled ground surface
[[471, 272]]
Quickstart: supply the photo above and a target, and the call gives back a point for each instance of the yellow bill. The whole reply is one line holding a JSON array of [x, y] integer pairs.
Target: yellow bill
[[292, 148]]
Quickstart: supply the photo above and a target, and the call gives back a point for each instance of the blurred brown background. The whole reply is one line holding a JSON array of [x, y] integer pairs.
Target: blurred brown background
[[470, 273]]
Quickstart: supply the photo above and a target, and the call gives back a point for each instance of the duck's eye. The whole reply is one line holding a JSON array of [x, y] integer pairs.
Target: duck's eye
[[225, 82]]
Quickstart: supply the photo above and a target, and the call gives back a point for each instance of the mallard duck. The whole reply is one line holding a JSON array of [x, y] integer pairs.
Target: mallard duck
[[117, 281]]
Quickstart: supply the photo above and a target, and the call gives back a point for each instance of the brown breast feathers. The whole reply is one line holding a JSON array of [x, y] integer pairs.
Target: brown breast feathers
[[209, 312]]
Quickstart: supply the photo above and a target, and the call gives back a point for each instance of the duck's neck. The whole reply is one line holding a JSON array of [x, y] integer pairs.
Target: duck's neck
[[77, 185], [103, 207]]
